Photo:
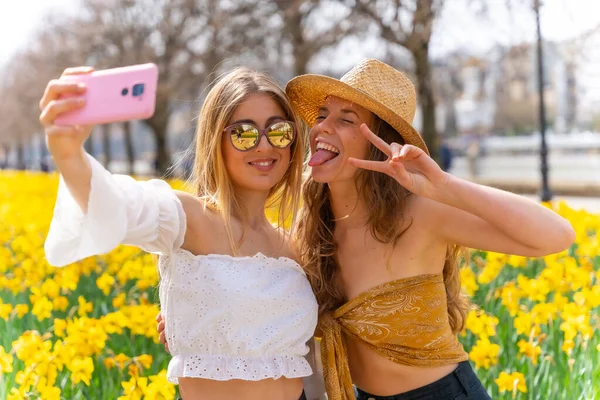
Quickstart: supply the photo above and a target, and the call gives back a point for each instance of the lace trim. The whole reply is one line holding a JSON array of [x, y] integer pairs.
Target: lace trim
[[224, 368], [258, 256]]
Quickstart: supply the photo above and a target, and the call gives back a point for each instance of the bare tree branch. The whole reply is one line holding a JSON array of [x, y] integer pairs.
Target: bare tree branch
[[416, 39], [398, 35]]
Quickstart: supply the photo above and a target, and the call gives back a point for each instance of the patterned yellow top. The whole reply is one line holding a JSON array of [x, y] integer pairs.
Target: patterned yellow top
[[405, 321]]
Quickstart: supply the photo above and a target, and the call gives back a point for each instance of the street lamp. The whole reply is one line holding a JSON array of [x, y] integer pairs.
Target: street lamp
[[546, 194]]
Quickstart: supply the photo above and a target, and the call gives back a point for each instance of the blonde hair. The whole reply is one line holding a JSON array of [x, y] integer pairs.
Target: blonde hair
[[386, 199], [209, 179]]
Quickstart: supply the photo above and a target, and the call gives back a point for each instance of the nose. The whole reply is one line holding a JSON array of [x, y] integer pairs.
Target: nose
[[324, 126], [263, 144]]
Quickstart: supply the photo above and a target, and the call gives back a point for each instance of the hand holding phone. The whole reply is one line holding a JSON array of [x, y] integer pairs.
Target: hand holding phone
[[83, 97], [113, 95]]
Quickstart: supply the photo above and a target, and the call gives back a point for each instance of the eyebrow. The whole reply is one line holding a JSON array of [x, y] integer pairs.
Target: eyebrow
[[343, 111], [251, 121], [348, 111]]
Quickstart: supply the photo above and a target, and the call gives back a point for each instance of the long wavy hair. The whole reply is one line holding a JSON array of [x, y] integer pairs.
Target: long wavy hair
[[209, 178], [317, 246]]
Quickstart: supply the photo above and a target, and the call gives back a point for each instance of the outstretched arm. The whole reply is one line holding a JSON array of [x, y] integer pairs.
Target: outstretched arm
[[95, 210], [469, 214]]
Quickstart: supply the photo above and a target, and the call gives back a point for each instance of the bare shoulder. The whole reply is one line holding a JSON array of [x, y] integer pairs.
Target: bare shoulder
[[196, 212], [191, 204]]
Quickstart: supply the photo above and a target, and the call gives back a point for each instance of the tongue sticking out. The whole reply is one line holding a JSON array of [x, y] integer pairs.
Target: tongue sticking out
[[320, 157]]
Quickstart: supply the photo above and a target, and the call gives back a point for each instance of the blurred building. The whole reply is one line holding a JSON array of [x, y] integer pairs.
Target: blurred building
[[497, 93]]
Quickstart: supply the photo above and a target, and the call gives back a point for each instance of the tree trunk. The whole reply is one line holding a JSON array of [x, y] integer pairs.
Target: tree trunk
[[159, 123], [20, 150], [161, 162], [129, 147], [300, 56], [42, 148], [426, 98], [44, 166], [293, 25], [4, 159], [89, 145], [106, 145], [451, 126], [300, 63]]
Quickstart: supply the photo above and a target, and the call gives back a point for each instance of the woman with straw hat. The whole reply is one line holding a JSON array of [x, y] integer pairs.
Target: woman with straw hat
[[379, 234]]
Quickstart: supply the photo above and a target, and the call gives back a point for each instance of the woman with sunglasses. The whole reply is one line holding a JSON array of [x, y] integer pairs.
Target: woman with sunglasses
[[239, 309]]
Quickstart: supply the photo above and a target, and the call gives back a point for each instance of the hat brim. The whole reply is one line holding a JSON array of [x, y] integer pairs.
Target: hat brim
[[308, 93]]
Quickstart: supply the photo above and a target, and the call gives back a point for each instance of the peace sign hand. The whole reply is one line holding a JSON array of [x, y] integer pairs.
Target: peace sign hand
[[409, 165]]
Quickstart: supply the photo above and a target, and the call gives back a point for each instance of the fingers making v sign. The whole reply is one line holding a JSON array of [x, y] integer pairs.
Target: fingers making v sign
[[408, 164]]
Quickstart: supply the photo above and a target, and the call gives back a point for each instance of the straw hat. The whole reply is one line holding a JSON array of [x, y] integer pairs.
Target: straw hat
[[372, 84]]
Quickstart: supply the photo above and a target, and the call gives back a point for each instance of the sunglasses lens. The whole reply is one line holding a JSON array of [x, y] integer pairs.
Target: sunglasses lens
[[244, 136], [281, 134]]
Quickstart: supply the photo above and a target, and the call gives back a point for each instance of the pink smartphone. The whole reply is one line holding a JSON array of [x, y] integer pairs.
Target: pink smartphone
[[113, 95]]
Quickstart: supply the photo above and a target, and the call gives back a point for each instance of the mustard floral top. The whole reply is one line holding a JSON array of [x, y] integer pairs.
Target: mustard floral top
[[405, 321]]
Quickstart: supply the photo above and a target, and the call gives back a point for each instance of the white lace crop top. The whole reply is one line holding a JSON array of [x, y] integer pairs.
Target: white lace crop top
[[226, 317]]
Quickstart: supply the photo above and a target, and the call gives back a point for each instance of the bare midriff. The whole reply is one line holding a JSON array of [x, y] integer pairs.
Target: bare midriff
[[384, 377], [205, 389]]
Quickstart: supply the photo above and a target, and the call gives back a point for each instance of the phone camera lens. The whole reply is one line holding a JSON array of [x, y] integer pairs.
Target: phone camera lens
[[138, 89], [124, 92]]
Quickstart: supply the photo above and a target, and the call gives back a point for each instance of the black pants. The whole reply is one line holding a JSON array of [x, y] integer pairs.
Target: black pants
[[460, 384], [302, 396]]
